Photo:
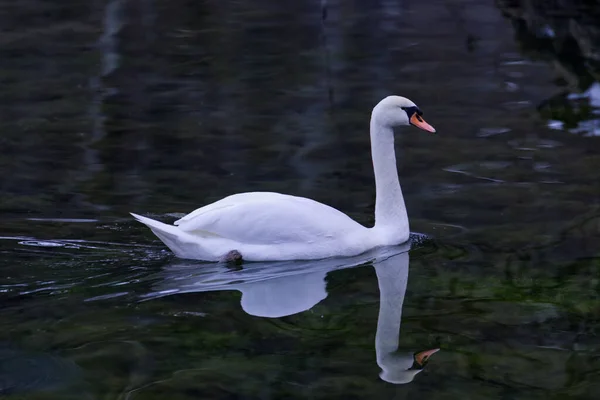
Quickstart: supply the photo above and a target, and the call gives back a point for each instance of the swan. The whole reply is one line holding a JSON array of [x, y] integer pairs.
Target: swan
[[265, 226]]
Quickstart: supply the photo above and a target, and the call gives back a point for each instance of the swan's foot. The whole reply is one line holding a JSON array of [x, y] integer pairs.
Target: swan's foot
[[233, 257]]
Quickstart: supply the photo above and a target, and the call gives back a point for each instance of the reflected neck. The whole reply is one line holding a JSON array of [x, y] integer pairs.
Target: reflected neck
[[392, 278], [390, 211]]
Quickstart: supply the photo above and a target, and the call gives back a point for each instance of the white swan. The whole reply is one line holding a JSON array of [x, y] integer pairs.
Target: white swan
[[264, 226]]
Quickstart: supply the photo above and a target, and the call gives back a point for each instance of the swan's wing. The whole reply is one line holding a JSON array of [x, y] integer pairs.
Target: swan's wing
[[268, 218]]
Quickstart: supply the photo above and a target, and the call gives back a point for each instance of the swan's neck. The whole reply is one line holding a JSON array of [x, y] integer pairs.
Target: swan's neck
[[390, 211]]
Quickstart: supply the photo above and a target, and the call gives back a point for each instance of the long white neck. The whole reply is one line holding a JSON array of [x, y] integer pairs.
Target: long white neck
[[390, 211]]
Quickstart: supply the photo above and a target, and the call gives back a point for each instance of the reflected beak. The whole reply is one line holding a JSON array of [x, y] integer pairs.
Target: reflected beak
[[423, 356], [419, 122]]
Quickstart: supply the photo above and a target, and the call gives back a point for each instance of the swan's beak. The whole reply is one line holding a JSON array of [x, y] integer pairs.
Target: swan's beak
[[422, 357], [419, 122]]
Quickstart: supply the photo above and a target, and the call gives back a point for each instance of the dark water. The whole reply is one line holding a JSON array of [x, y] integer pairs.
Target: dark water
[[159, 107]]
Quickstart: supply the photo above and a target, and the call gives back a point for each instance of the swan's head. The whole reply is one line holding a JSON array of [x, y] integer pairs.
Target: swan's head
[[399, 111]]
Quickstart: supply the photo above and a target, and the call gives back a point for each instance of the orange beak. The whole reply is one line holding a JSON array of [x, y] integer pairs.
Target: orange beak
[[419, 122], [423, 356]]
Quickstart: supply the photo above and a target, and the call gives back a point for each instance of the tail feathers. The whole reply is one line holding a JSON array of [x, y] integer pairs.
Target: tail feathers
[[183, 244]]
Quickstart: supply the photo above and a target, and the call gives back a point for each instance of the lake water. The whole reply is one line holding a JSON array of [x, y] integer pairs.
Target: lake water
[[160, 107]]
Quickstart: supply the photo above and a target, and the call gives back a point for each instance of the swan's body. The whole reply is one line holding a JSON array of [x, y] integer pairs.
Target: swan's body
[[264, 226]]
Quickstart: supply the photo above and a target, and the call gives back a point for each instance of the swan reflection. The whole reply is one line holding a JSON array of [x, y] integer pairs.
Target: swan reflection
[[392, 277], [278, 289]]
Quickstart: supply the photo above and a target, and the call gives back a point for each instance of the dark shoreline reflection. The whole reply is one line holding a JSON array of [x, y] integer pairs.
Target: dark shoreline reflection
[[280, 289], [566, 36]]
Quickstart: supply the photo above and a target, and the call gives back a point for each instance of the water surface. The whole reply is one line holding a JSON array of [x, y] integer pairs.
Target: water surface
[[159, 107]]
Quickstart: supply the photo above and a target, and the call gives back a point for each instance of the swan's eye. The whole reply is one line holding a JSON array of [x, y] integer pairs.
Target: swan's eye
[[412, 110]]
